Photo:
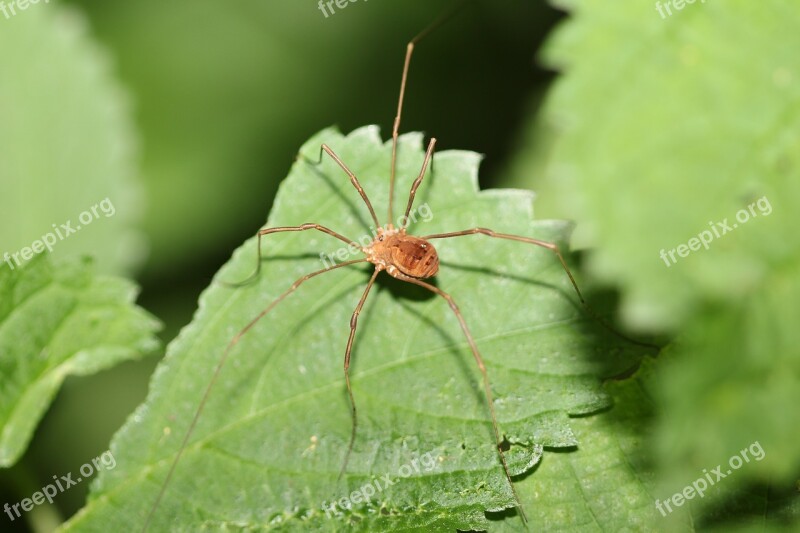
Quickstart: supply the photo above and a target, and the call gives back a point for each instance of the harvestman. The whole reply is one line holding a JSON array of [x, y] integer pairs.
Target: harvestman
[[404, 257]]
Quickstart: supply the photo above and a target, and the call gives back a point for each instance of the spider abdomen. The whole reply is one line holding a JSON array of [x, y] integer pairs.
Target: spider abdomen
[[415, 257]]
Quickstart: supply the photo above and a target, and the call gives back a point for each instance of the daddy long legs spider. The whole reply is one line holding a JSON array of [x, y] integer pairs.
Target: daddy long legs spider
[[404, 257]]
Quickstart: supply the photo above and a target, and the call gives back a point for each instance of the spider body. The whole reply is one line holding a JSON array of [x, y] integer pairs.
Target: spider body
[[398, 253]]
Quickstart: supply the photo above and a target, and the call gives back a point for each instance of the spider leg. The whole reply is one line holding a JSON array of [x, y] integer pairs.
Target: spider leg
[[557, 251], [544, 244], [353, 325], [267, 231], [217, 370], [353, 179], [403, 80], [484, 374], [415, 185]]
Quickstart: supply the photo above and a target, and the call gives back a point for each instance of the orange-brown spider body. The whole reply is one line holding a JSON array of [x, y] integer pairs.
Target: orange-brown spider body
[[396, 252]]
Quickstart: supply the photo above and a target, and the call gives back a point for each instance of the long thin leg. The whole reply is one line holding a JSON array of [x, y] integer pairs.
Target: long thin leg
[[544, 244], [353, 179], [217, 370], [415, 185], [555, 249], [403, 80], [353, 324], [302, 227], [486, 386]]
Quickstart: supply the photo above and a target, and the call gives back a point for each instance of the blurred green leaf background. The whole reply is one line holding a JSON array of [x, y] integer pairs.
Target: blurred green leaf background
[[641, 126]]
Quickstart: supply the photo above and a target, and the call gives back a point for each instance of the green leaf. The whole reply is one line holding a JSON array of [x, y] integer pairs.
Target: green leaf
[[607, 483], [610, 484], [66, 143], [659, 126], [58, 320], [269, 445], [662, 125], [731, 380]]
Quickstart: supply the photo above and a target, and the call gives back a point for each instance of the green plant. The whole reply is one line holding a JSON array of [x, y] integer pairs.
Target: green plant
[[654, 127], [278, 413]]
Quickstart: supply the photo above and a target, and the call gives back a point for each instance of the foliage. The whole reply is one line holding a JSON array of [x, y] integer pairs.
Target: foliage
[[270, 443], [58, 320], [654, 128]]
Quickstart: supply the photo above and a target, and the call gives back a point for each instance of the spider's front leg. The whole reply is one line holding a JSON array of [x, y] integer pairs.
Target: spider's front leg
[[490, 233], [302, 227], [557, 251], [353, 179]]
